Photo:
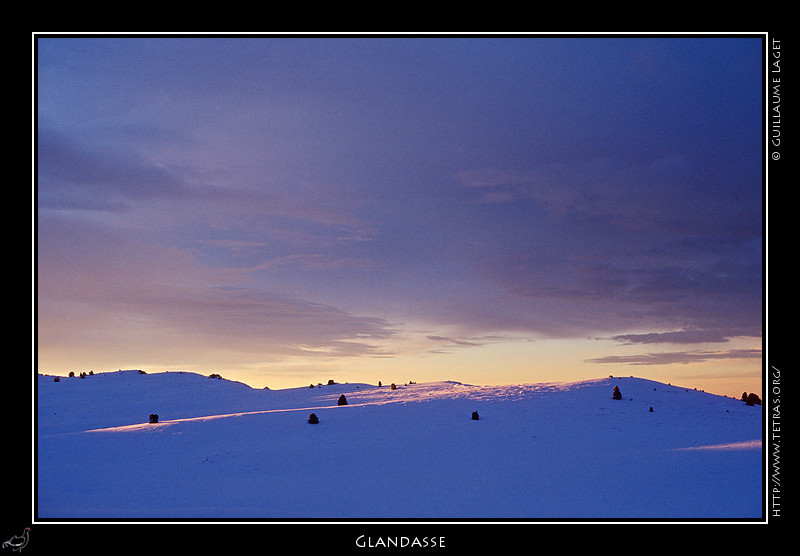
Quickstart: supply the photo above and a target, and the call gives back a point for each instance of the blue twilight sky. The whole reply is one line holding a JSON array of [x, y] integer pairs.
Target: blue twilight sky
[[285, 210]]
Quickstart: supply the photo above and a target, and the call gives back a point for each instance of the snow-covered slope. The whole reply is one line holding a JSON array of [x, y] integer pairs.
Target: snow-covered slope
[[224, 450]]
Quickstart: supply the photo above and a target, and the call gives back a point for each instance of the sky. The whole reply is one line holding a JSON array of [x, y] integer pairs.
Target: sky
[[285, 210]]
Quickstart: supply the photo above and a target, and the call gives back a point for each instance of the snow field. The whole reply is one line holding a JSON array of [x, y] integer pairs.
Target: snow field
[[222, 450]]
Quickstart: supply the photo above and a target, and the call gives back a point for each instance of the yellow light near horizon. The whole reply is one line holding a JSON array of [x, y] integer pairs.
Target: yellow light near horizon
[[513, 361]]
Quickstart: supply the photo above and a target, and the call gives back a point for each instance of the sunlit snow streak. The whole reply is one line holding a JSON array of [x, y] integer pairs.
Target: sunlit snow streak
[[412, 393], [745, 445], [403, 394], [152, 426]]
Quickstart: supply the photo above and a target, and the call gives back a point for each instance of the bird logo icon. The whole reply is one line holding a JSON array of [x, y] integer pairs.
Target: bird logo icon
[[18, 542]]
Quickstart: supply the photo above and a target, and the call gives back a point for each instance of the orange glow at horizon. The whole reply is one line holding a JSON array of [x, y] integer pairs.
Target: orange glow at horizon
[[510, 362]]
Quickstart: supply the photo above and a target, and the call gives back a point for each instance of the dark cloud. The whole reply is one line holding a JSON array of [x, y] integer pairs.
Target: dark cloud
[[678, 357], [452, 341], [675, 337]]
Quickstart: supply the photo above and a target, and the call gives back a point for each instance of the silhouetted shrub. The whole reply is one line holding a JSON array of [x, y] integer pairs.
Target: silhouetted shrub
[[72, 374], [393, 386], [379, 384], [617, 395], [313, 419], [651, 409], [215, 375], [331, 382], [311, 386], [475, 416], [752, 399], [56, 379], [342, 400], [153, 418]]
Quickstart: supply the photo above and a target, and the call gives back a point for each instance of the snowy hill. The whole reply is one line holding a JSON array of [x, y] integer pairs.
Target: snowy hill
[[224, 450]]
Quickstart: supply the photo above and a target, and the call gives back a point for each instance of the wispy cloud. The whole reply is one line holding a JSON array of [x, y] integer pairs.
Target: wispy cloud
[[204, 321], [452, 341], [100, 288], [74, 175], [677, 357], [676, 337], [78, 174]]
